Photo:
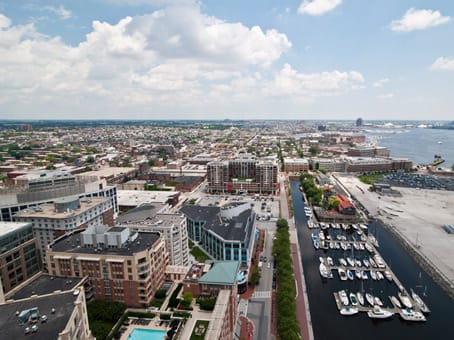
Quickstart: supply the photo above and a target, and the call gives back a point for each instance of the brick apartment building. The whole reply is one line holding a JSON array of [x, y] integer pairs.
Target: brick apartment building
[[120, 265]]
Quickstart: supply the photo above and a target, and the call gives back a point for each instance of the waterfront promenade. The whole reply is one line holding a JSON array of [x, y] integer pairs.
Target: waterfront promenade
[[302, 305]]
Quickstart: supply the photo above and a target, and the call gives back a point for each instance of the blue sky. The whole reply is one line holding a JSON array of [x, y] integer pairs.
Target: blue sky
[[211, 59]]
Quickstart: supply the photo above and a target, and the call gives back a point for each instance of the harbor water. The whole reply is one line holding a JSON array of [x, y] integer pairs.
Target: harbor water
[[419, 145], [327, 323]]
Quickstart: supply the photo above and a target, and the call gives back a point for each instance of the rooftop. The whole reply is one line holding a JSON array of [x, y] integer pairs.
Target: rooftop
[[144, 212], [49, 211], [138, 197], [43, 285], [56, 322], [221, 273], [236, 227], [70, 243], [11, 227]]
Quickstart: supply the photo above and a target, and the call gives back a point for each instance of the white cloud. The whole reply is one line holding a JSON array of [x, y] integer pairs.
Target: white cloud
[[60, 11], [318, 7], [380, 82], [418, 19], [443, 64], [5, 22], [386, 96], [291, 82]]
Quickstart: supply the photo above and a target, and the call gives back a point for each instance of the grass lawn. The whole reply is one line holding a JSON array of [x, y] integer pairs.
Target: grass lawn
[[369, 179], [157, 302], [199, 254], [200, 329]]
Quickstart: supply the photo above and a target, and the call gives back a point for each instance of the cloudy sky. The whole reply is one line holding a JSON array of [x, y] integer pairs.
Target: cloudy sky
[[237, 59]]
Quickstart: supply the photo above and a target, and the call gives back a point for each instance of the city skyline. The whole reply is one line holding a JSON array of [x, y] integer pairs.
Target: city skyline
[[170, 59]]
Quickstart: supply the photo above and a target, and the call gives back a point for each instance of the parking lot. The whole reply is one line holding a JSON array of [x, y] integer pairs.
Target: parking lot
[[265, 207], [408, 180]]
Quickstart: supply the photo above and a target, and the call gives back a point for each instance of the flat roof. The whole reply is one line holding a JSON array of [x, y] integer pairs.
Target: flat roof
[[138, 197], [56, 322], [10, 227], [45, 284], [106, 172], [48, 210], [71, 243]]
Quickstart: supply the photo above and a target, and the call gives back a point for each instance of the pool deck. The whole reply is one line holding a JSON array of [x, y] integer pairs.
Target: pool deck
[[154, 325]]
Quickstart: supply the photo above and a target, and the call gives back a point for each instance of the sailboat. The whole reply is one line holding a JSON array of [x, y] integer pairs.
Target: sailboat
[[419, 302]]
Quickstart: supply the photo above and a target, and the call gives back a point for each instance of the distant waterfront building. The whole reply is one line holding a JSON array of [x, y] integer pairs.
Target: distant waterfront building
[[365, 164], [296, 165], [120, 266], [368, 151], [50, 186], [359, 122], [50, 221], [242, 174], [225, 233], [329, 164], [19, 254]]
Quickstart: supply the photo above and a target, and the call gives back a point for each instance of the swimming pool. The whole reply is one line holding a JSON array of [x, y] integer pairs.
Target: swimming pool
[[146, 334]]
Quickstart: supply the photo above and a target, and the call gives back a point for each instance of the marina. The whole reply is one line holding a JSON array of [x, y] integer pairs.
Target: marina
[[376, 323], [358, 267]]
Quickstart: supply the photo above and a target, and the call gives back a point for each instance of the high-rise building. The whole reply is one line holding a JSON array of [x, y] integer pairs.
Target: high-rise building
[[172, 227], [120, 265], [226, 233], [50, 221], [242, 174], [19, 254], [50, 186]]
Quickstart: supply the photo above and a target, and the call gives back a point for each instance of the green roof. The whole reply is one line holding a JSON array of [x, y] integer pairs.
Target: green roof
[[221, 273]]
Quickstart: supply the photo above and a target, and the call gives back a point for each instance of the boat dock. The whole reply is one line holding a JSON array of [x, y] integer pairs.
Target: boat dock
[[370, 246]]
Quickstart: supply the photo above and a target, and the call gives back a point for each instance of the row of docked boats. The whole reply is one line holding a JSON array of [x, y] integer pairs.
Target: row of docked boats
[[352, 301]]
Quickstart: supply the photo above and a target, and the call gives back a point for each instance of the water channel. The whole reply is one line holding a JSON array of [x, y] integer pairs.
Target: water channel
[[329, 324]]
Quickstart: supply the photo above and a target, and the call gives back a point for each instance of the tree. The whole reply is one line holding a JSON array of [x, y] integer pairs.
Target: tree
[[187, 299], [333, 203], [151, 162], [255, 277], [314, 150], [90, 159]]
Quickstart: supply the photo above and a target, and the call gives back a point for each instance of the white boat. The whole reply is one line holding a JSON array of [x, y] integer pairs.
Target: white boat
[[370, 299], [405, 299], [364, 275], [378, 313], [350, 274], [358, 263], [316, 244], [360, 297], [371, 238], [321, 259], [380, 275], [369, 247], [350, 261], [358, 274], [409, 314], [325, 272], [366, 263], [347, 310], [342, 274], [395, 301], [337, 245], [419, 302], [356, 245], [342, 262], [353, 299], [378, 301], [314, 236], [388, 275], [372, 262], [329, 260], [344, 245], [343, 297], [373, 275], [361, 246], [331, 245]]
